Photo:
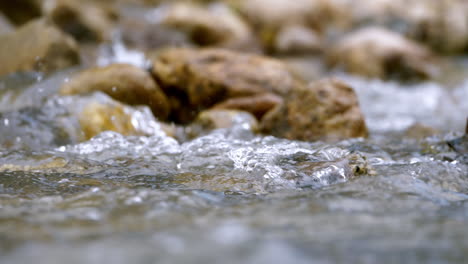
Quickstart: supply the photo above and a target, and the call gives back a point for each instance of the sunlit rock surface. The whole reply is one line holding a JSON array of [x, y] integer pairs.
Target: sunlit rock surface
[[123, 82]]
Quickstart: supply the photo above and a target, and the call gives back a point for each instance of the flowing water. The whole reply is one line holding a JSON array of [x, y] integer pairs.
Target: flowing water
[[232, 196]]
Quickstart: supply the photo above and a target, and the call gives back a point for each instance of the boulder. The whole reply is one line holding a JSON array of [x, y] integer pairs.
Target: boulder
[[197, 79], [324, 110], [37, 46], [123, 82], [379, 53], [85, 20]]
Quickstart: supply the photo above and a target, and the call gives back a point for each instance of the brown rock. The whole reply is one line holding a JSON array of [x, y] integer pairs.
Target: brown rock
[[271, 18], [197, 79], [144, 36], [258, 105], [324, 110], [123, 82], [442, 24], [85, 20], [21, 11], [297, 39], [215, 25], [37, 46], [378, 53]]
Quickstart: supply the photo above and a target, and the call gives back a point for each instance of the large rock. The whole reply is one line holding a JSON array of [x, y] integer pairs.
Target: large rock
[[85, 20], [325, 110], [379, 53], [197, 79], [37, 46], [123, 82]]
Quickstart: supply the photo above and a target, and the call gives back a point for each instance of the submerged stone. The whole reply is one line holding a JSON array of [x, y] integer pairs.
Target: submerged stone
[[212, 119], [37, 46], [324, 110], [123, 82]]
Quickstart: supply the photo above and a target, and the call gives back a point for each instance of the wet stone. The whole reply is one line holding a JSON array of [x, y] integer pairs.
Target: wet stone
[[324, 110], [213, 25], [379, 53], [37, 46], [126, 83], [196, 79], [212, 119], [297, 39], [85, 20]]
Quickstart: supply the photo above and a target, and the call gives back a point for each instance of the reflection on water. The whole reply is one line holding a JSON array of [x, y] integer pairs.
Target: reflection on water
[[232, 196]]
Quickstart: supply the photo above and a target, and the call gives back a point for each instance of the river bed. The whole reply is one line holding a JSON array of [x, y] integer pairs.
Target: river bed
[[233, 196]]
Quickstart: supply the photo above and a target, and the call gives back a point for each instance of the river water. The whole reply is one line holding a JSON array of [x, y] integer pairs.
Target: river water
[[232, 196]]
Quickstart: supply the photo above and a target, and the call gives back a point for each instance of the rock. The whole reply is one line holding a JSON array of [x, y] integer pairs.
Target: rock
[[197, 79], [215, 25], [272, 18], [271, 14], [37, 46], [297, 39], [97, 117], [212, 119], [97, 113], [258, 105], [148, 37], [378, 53], [420, 131], [123, 82], [324, 110], [85, 20], [442, 24], [21, 11]]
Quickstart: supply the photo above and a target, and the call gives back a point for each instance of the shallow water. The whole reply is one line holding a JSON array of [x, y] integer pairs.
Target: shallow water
[[232, 196]]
